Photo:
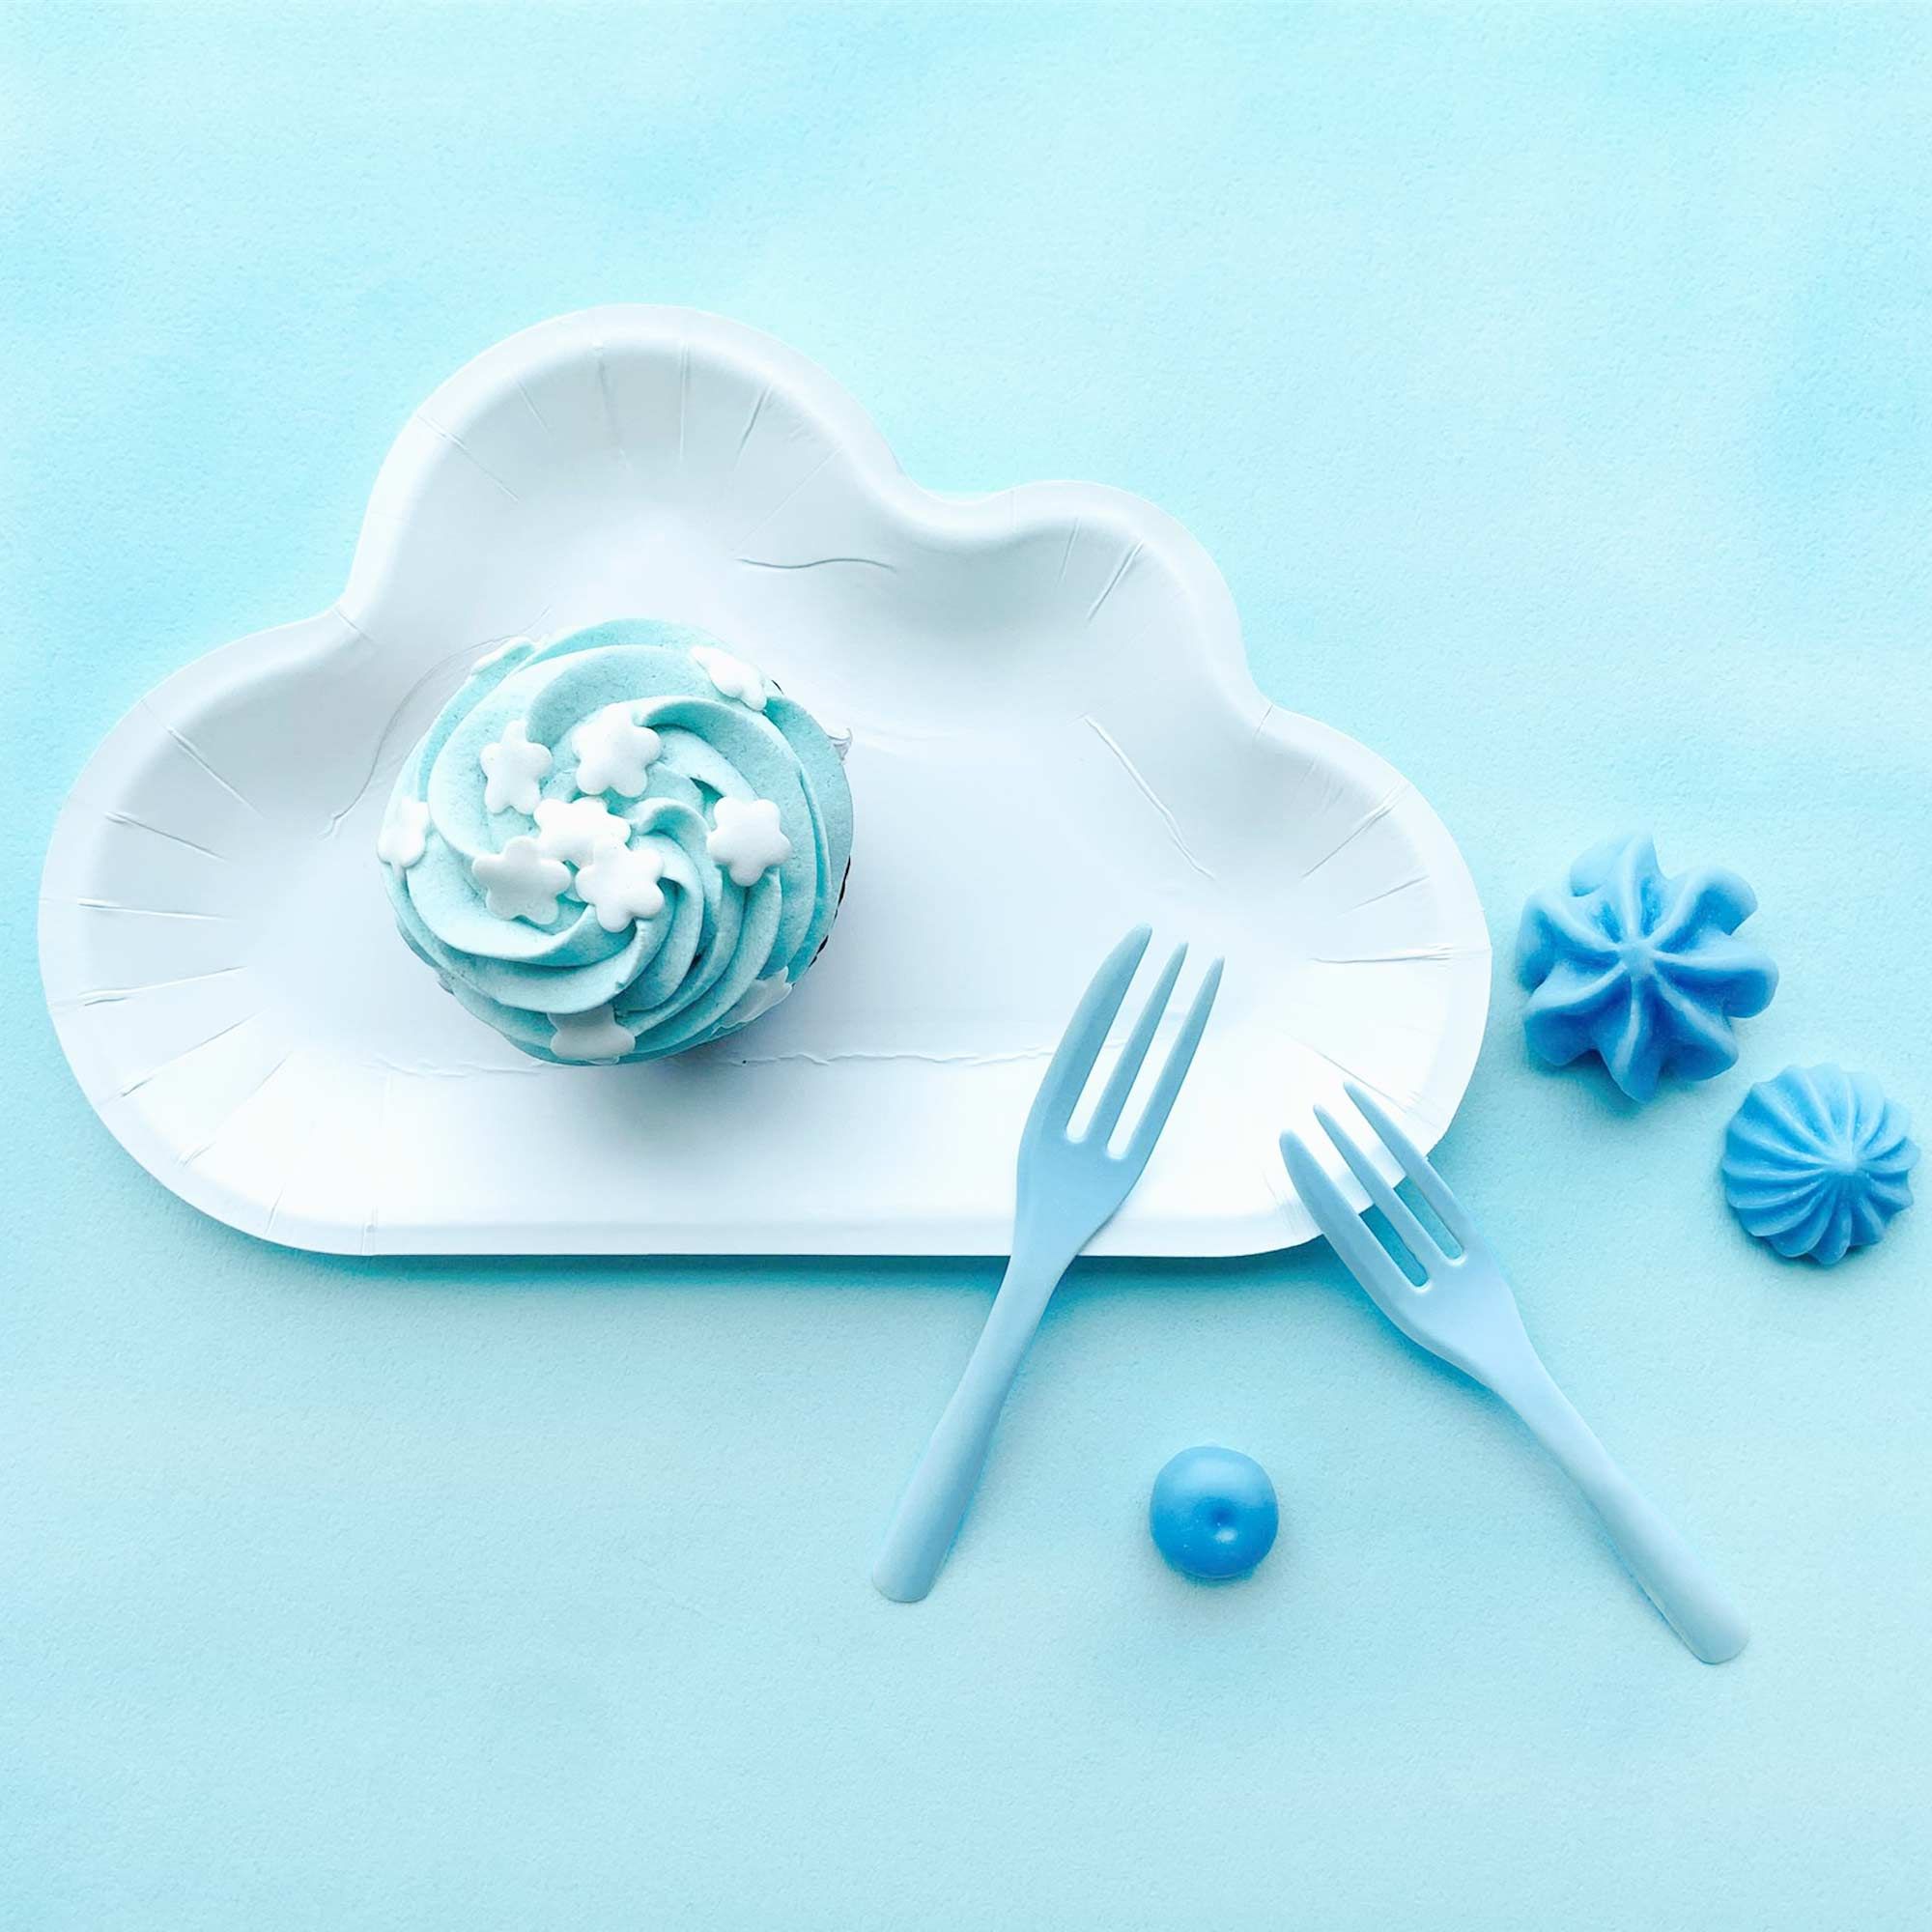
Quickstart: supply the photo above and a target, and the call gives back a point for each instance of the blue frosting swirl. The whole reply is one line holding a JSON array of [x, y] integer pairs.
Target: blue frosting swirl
[[500, 864], [1640, 968], [1815, 1162]]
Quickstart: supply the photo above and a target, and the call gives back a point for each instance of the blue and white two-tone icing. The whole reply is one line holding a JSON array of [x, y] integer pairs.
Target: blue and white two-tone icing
[[619, 843]]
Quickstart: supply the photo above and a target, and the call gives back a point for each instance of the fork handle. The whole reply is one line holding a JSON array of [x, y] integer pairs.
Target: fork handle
[[934, 1504], [1673, 1576]]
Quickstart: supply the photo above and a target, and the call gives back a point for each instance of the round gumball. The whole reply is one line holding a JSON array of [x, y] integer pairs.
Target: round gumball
[[1212, 1513]]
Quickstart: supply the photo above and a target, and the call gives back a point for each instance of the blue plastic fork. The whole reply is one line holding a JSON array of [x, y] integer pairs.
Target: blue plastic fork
[[1464, 1313], [1070, 1188]]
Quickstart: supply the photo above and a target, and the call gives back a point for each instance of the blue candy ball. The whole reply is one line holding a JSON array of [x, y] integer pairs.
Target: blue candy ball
[[1212, 1513]]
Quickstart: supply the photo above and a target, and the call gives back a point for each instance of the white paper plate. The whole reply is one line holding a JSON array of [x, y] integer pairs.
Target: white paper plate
[[1055, 735]]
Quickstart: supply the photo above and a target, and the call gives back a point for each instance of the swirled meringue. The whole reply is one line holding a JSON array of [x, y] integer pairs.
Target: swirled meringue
[[1815, 1162], [1640, 968]]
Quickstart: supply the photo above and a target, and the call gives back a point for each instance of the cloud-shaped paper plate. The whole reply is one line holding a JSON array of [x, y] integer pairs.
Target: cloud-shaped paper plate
[[1055, 735]]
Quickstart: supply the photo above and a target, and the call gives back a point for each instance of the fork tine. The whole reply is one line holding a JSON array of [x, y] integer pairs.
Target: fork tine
[[1362, 1255], [1179, 1058], [1430, 1184], [1119, 1083], [1410, 1232], [1080, 1044]]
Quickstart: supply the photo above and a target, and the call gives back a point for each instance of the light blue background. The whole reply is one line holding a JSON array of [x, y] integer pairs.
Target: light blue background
[[1553, 389]]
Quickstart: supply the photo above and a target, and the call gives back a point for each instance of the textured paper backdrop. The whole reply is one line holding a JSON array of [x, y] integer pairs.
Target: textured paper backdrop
[[1552, 390]]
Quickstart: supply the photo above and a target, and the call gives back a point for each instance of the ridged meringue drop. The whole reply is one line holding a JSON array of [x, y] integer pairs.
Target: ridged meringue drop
[[619, 843], [1640, 968], [1815, 1162]]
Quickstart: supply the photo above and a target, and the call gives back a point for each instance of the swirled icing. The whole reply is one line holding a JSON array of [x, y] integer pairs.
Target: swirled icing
[[1640, 968], [1815, 1162], [609, 851]]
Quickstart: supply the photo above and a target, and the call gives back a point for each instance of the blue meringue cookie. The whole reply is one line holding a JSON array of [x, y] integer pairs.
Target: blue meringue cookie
[[1640, 968], [1815, 1162], [619, 844]]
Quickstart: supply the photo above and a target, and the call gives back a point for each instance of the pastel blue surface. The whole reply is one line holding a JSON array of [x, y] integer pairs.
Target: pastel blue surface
[[1552, 390], [1212, 1513], [1816, 1162], [1640, 969]]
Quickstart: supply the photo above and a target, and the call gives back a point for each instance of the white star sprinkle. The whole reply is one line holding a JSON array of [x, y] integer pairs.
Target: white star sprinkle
[[509, 647], [578, 829], [405, 834], [731, 676], [592, 1035], [620, 884], [745, 838], [521, 882], [514, 768], [613, 752], [759, 997]]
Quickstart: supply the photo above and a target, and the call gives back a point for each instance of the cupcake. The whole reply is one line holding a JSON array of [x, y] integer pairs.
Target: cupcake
[[619, 844]]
